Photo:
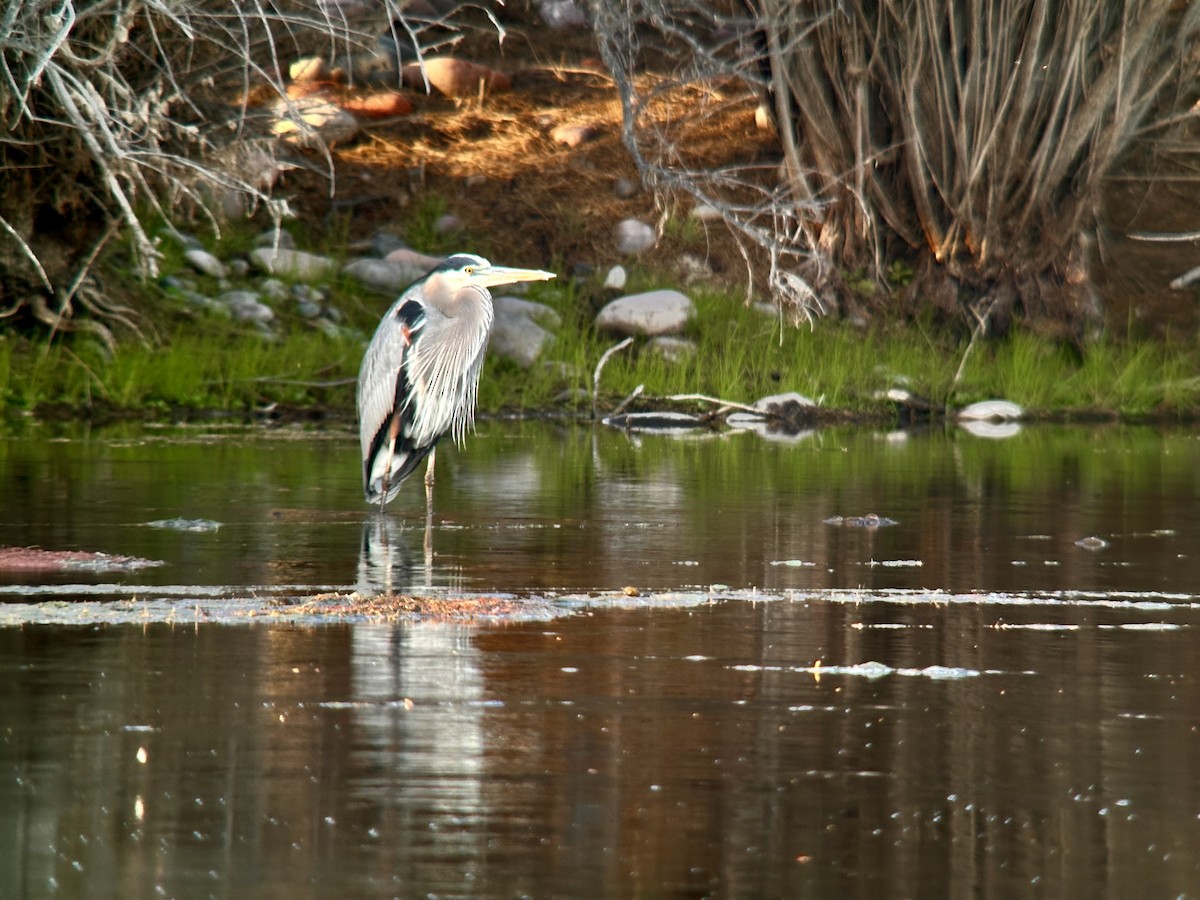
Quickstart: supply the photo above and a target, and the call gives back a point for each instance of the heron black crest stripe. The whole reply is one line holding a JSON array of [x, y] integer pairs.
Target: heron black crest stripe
[[459, 261]]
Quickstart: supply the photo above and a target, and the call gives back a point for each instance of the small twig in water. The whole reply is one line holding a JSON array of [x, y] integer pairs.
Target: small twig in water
[[728, 404], [624, 403]]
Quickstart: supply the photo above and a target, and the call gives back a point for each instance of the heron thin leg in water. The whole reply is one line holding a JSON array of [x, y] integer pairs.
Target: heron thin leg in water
[[429, 506]]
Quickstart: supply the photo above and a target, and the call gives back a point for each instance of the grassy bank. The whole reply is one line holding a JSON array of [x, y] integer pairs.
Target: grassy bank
[[190, 361]]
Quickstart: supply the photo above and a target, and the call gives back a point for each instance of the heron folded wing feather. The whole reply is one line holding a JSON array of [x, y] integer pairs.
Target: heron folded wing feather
[[384, 391]]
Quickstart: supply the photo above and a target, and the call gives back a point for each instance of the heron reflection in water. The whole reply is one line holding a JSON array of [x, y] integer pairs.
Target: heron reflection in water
[[420, 375]]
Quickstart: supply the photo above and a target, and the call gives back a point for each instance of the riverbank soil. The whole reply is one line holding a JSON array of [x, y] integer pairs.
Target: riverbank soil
[[526, 198]]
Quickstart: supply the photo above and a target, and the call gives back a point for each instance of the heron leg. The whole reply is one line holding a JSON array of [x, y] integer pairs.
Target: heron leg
[[429, 508], [393, 433]]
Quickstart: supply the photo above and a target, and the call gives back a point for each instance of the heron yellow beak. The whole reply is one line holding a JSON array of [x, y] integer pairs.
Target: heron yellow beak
[[494, 275]]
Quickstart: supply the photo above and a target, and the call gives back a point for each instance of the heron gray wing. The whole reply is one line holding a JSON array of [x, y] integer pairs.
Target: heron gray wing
[[384, 390]]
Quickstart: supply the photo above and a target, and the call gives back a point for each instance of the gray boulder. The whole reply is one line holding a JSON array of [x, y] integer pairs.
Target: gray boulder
[[292, 263], [651, 313]]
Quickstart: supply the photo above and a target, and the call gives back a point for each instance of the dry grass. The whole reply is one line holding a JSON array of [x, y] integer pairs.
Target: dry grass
[[972, 138], [406, 607]]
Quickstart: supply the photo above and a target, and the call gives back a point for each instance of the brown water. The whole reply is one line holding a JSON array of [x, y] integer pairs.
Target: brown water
[[966, 702]]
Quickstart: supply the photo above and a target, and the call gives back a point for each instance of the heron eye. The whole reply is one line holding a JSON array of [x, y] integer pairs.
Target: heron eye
[[470, 270]]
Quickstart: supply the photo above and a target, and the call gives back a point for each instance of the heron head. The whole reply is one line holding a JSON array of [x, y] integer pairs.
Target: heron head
[[466, 269]]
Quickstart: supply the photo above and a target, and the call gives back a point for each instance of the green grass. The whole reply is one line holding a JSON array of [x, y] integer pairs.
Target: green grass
[[201, 361]]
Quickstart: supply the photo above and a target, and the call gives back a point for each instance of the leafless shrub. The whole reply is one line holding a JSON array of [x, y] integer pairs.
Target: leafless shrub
[[970, 138], [113, 110]]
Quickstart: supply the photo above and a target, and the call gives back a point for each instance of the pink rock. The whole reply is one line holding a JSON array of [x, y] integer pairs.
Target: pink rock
[[454, 77]]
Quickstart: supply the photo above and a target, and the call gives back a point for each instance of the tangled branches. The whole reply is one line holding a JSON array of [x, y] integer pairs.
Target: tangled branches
[[115, 111], [969, 139]]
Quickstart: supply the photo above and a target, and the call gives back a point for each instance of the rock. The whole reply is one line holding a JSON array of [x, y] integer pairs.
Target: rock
[[312, 122], [693, 268], [205, 263], [705, 213], [518, 338], [558, 14], [311, 68], [513, 307], [406, 256], [763, 119], [777, 403], [273, 289], [672, 349], [380, 275], [454, 77], [292, 263], [624, 188], [239, 268], [447, 224], [651, 313], [205, 302], [634, 236], [991, 411], [275, 237], [378, 105], [308, 309], [384, 243], [573, 135], [615, 279], [246, 306]]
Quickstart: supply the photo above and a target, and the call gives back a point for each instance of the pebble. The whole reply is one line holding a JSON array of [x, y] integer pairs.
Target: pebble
[[246, 306], [615, 279], [624, 188], [635, 236], [672, 349], [507, 306], [313, 122], [518, 338], [454, 77], [273, 289], [651, 313], [411, 259], [205, 263], [276, 237], [379, 275], [292, 263], [447, 224], [573, 135], [561, 14], [705, 213]]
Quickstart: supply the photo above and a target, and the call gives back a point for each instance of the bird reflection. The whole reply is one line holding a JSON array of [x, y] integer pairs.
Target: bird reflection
[[386, 564]]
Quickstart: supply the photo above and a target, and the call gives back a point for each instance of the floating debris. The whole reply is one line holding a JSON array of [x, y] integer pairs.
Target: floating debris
[[1092, 543], [991, 411], [871, 520], [35, 559], [181, 524], [659, 422]]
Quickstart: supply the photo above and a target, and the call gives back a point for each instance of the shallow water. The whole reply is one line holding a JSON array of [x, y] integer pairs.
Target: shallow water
[[965, 702]]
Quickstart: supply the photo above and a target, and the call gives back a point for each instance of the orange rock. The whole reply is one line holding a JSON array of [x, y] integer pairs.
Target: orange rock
[[455, 77], [379, 105]]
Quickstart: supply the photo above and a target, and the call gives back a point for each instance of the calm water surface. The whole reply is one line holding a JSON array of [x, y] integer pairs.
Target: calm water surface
[[964, 703]]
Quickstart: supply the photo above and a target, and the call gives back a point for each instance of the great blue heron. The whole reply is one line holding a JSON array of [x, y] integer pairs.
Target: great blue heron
[[420, 375]]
